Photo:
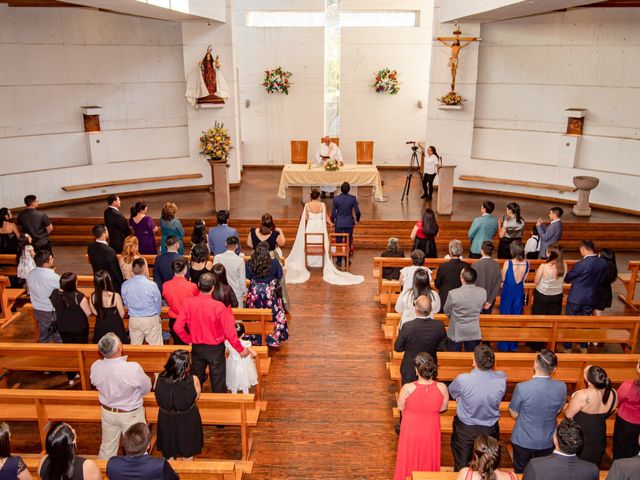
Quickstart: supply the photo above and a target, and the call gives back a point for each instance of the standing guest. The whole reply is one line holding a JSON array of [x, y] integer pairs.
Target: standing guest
[[199, 263], [489, 275], [424, 234], [138, 464], [42, 281], [235, 268], [61, 461], [36, 224], [170, 226], [12, 467], [485, 462], [463, 308], [448, 274], [478, 395], [219, 234], [482, 228], [432, 164], [162, 270], [406, 301], [265, 274], [535, 405], [605, 292], [532, 247], [547, 297], [179, 424], [9, 233], [121, 385], [552, 233], [422, 334], [222, 290], [585, 278], [563, 463], [590, 408], [175, 292], [209, 324], [103, 257], [72, 312], [421, 403], [25, 257], [106, 304], [514, 274], [267, 232], [129, 253], [116, 223], [144, 228], [625, 468], [241, 371], [343, 209], [627, 427], [407, 273], [393, 251], [142, 297], [199, 233], [510, 229]]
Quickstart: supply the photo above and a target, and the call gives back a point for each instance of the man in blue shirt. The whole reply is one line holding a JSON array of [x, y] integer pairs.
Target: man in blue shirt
[[142, 297], [482, 228], [478, 395], [218, 235], [535, 405]]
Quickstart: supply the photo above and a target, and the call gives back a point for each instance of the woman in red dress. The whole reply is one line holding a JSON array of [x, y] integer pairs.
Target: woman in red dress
[[420, 403]]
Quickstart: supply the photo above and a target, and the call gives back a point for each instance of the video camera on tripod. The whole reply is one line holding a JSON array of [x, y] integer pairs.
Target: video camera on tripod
[[413, 164]]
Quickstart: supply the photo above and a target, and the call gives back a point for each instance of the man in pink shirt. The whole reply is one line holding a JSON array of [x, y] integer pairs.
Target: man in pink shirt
[[175, 292], [209, 324]]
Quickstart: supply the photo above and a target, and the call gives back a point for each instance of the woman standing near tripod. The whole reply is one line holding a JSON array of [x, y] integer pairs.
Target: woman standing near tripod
[[431, 165]]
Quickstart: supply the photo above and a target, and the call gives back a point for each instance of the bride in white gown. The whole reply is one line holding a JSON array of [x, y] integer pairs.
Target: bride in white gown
[[314, 220]]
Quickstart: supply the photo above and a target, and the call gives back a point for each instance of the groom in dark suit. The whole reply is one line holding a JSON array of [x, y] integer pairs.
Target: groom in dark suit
[[344, 206]]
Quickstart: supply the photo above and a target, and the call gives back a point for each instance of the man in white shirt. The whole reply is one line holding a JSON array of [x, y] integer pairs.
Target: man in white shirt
[[234, 265], [42, 281], [121, 385], [327, 151]]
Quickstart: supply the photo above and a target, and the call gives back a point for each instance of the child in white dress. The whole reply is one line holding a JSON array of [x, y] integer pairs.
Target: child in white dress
[[241, 372], [25, 256]]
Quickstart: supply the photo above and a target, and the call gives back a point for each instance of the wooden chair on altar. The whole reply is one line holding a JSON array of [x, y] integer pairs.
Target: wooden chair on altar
[[299, 149], [313, 246], [339, 248], [364, 152], [335, 140]]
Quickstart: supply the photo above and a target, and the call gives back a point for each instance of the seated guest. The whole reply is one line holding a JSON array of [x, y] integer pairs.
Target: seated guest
[[121, 385], [514, 274], [219, 234], [116, 223], [144, 228], [424, 234], [162, 270], [420, 403], [510, 229], [448, 274], [61, 461], [406, 301], [12, 467], [535, 404], [222, 291], [170, 226], [41, 282], [423, 334], [417, 263], [627, 427], [199, 234], [482, 228], [563, 463], [142, 297], [265, 273], [590, 408], [489, 275], [625, 468], [485, 462], [463, 308], [267, 232], [129, 254], [137, 463], [478, 395], [234, 265], [199, 263], [106, 304], [605, 292], [392, 273], [532, 246], [179, 424], [103, 257], [175, 292]]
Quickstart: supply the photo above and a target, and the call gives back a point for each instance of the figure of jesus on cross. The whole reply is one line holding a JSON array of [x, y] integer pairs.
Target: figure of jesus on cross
[[456, 46]]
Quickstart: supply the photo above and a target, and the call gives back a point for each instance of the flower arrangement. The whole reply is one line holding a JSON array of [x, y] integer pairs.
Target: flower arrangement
[[386, 81], [277, 80], [332, 165], [215, 143], [452, 98]]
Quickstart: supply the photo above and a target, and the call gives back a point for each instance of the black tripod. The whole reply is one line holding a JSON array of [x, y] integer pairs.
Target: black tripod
[[413, 164]]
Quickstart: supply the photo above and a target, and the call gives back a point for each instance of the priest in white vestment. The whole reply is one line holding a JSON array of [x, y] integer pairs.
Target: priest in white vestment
[[327, 151]]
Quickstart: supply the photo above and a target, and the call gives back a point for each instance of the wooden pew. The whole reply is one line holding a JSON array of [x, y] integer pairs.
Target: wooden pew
[[8, 297], [630, 280], [44, 406], [453, 475]]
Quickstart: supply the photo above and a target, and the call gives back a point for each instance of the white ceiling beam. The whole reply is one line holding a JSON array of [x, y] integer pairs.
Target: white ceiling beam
[[174, 10], [496, 10]]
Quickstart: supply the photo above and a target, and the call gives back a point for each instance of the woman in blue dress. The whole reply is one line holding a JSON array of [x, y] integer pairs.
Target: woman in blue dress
[[170, 225], [514, 274]]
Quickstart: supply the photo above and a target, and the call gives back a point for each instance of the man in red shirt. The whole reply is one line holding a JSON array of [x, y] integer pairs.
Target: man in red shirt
[[176, 291], [210, 323]]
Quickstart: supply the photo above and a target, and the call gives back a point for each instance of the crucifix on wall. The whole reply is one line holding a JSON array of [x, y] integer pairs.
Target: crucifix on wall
[[456, 46]]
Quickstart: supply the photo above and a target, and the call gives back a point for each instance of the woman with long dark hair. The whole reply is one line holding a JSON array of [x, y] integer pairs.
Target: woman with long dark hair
[[144, 228], [106, 304], [199, 234], [510, 229], [424, 234], [222, 291], [61, 461], [199, 263], [405, 304], [605, 292], [432, 163], [485, 462], [267, 232], [9, 232], [590, 408], [12, 467], [627, 427], [514, 274], [72, 310]]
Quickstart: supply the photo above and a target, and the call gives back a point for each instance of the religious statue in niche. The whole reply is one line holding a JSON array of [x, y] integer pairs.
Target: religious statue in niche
[[455, 46], [205, 84]]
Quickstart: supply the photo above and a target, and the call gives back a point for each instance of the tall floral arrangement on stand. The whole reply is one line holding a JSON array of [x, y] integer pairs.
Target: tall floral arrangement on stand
[[215, 143], [277, 81], [386, 81]]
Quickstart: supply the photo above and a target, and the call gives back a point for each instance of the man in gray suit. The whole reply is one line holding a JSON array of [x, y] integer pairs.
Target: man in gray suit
[[552, 233], [489, 275], [463, 308], [625, 469]]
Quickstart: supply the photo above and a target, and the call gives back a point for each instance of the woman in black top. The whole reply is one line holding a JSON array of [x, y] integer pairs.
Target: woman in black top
[[9, 235], [605, 293], [61, 461], [199, 263], [267, 232], [106, 304], [72, 310], [199, 235], [221, 290]]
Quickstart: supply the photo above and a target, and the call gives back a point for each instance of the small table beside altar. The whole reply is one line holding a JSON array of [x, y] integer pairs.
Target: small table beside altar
[[357, 176]]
